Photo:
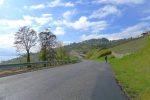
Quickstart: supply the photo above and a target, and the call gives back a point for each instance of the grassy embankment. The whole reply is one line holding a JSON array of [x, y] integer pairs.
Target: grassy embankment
[[133, 70], [125, 48]]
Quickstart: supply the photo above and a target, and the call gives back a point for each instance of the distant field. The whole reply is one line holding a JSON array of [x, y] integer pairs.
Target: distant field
[[133, 72]]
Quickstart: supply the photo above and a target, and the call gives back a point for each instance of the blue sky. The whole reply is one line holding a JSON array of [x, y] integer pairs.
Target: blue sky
[[73, 20]]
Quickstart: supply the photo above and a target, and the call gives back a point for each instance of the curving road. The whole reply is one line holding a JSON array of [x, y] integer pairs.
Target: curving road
[[87, 80]]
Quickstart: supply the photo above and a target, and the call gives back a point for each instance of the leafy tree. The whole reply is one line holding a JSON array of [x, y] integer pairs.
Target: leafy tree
[[47, 42], [61, 52], [25, 38]]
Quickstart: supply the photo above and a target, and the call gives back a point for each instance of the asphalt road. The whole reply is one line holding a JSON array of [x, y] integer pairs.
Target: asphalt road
[[87, 80]]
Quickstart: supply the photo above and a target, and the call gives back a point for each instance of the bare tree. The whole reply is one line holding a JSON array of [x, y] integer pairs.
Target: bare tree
[[25, 39], [47, 41]]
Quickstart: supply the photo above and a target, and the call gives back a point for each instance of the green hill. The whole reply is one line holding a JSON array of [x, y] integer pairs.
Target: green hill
[[133, 72], [118, 51], [131, 46], [87, 46]]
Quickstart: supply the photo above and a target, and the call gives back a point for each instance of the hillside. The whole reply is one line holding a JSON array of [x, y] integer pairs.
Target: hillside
[[133, 72], [131, 46], [94, 44], [124, 48], [22, 59]]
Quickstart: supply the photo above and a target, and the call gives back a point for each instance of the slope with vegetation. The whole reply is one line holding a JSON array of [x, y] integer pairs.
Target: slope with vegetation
[[133, 72], [87, 46], [124, 48]]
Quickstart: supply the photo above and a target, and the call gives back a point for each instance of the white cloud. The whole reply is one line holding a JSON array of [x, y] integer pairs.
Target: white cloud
[[132, 31], [56, 3], [59, 31], [146, 18], [7, 40], [46, 15], [83, 2], [53, 3], [68, 14], [1, 2], [40, 6], [5, 23], [119, 1], [69, 4], [44, 19], [8, 26], [6, 45], [105, 11], [84, 24]]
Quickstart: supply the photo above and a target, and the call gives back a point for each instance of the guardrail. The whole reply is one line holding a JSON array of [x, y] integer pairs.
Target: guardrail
[[35, 65]]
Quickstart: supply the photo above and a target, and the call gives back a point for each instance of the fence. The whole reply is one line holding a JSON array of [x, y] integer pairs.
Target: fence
[[35, 65]]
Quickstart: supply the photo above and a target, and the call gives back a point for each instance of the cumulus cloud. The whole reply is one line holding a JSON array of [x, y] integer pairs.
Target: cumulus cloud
[[45, 18], [6, 23], [59, 31], [53, 3], [27, 20], [1, 2], [69, 4], [56, 3], [105, 11], [83, 24], [68, 14], [6, 44], [40, 6], [119, 1], [46, 15], [132, 31], [6, 40]]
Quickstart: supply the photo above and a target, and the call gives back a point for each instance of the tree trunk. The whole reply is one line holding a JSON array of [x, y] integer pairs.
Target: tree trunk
[[44, 55], [28, 58]]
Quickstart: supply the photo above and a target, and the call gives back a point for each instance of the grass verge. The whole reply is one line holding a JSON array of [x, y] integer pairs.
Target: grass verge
[[133, 73]]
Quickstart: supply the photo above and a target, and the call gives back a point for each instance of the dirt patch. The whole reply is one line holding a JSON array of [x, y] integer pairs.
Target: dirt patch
[[9, 72]]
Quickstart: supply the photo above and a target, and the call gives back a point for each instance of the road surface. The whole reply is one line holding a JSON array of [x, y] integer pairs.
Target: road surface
[[87, 80]]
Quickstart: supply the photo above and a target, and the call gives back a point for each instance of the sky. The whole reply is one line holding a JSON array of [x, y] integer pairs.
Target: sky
[[73, 20]]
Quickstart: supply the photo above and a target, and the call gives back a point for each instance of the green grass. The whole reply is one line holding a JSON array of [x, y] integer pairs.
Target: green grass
[[110, 58], [97, 53], [125, 48], [133, 72], [131, 46]]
